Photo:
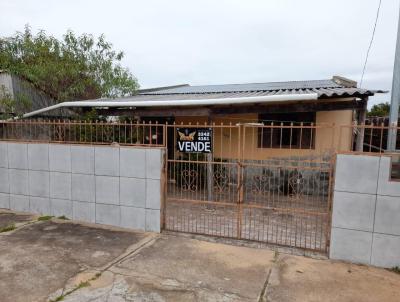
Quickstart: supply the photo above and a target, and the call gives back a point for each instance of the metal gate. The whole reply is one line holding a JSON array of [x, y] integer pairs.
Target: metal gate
[[267, 183]]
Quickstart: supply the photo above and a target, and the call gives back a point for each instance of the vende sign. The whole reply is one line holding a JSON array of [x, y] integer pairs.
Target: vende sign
[[194, 140]]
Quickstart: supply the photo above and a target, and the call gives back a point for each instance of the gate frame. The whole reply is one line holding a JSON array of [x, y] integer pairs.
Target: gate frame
[[240, 164]]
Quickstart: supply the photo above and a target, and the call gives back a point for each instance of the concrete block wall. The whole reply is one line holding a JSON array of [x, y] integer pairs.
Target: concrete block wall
[[119, 186], [366, 211]]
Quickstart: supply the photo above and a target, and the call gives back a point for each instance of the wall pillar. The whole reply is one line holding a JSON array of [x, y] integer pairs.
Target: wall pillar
[[366, 211]]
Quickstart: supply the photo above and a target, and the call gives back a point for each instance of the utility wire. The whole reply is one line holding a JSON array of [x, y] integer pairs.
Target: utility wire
[[370, 43]]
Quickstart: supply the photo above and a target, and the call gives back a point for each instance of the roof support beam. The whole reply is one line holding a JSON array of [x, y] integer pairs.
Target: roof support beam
[[206, 111], [155, 112], [287, 108]]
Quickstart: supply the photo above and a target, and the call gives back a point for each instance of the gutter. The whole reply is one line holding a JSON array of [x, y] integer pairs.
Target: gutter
[[183, 103]]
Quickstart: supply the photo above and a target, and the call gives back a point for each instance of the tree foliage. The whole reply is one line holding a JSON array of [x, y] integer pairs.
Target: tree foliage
[[72, 68], [379, 110], [10, 104]]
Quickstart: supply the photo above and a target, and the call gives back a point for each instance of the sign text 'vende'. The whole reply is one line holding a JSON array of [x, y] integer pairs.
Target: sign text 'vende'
[[194, 140]]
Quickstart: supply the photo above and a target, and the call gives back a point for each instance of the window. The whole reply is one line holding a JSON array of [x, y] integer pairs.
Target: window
[[279, 133]]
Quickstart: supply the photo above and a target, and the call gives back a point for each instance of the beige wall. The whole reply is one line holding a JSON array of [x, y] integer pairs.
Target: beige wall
[[227, 143], [341, 137]]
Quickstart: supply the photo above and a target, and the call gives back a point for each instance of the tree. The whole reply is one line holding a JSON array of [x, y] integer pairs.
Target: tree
[[379, 110], [73, 68], [10, 104]]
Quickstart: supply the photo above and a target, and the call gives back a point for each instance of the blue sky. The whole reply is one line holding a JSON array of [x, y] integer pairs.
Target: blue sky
[[215, 42]]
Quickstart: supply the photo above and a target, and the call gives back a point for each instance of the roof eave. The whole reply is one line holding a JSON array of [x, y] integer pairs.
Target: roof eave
[[185, 103]]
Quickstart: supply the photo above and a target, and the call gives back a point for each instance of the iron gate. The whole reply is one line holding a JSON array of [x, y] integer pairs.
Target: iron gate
[[248, 189]]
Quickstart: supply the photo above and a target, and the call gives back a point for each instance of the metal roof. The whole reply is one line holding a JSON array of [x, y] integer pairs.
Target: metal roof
[[186, 95], [250, 87], [335, 87]]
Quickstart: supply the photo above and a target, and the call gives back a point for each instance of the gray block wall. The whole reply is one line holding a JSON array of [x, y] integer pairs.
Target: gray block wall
[[119, 186], [366, 211]]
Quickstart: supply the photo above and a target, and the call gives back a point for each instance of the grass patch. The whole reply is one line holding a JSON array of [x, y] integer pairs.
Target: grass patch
[[63, 217], [96, 276], [395, 269], [8, 228], [44, 218], [83, 284], [80, 285], [276, 256], [59, 298]]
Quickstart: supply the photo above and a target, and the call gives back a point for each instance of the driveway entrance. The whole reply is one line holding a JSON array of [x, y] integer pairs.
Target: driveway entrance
[[277, 192]]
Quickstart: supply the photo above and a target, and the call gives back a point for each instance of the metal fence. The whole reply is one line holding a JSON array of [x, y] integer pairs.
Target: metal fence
[[257, 184], [83, 132], [368, 138], [285, 138], [270, 183]]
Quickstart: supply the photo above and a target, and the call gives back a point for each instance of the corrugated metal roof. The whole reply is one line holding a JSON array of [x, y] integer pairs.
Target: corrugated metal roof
[[250, 87], [334, 88], [325, 93], [324, 88], [338, 87]]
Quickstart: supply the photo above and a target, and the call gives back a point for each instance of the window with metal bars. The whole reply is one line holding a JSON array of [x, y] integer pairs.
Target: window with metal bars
[[287, 130]]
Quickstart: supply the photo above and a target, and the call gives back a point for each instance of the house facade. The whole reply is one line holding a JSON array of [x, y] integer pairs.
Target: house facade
[[261, 119], [247, 161]]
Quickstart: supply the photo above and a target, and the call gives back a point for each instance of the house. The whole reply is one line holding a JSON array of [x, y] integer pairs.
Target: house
[[297, 115], [263, 168]]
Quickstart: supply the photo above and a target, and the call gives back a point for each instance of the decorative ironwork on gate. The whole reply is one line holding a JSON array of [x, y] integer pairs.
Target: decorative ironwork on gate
[[276, 193]]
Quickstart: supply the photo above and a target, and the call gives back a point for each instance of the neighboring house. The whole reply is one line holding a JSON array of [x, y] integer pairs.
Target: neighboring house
[[319, 102], [26, 96]]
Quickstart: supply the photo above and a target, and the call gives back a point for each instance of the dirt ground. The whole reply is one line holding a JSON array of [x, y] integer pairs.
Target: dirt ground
[[60, 260], [8, 218]]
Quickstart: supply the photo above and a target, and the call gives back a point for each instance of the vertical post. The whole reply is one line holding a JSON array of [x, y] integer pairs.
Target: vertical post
[[164, 175], [210, 170], [394, 102], [210, 173], [240, 169], [362, 113]]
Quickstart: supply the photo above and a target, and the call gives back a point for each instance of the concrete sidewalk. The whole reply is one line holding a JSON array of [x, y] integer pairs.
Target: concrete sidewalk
[[180, 269], [39, 257], [296, 278], [60, 260]]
